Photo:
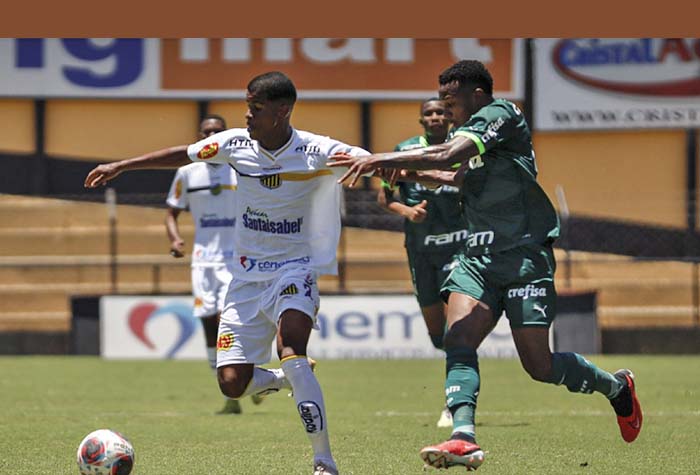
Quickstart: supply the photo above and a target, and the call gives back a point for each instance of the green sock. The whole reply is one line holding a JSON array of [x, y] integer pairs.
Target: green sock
[[581, 376], [462, 387]]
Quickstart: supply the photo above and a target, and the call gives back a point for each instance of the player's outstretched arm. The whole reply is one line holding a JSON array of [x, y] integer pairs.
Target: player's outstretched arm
[[435, 157], [434, 178], [173, 157]]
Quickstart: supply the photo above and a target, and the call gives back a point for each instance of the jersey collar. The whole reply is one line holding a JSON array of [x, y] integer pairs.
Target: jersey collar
[[274, 155]]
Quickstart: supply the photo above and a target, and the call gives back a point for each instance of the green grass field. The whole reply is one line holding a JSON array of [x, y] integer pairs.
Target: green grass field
[[380, 414]]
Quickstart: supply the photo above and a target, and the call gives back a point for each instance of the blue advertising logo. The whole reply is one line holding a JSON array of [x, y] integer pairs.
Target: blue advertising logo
[[142, 313], [127, 55]]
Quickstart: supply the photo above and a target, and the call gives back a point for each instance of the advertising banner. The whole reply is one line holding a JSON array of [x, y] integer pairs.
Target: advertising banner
[[322, 68], [617, 83], [147, 327], [351, 327], [388, 326]]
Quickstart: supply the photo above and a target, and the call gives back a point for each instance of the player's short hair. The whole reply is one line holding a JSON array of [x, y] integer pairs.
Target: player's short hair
[[274, 86], [468, 71], [214, 117]]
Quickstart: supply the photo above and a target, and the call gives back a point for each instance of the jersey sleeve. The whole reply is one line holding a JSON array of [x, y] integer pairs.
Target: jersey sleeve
[[177, 196], [491, 126], [211, 149], [335, 146]]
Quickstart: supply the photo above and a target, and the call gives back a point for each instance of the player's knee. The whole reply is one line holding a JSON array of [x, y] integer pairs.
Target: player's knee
[[231, 383], [455, 337], [538, 372]]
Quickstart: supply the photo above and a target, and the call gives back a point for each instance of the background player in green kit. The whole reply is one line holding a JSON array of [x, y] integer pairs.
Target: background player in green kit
[[507, 264], [433, 228]]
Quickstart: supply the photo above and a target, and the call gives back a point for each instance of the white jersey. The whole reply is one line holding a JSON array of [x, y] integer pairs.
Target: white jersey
[[207, 190], [287, 203]]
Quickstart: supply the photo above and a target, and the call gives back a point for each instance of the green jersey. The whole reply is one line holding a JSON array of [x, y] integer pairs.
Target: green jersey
[[502, 203], [443, 228]]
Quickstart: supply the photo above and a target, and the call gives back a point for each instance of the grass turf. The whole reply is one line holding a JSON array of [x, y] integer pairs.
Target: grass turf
[[380, 414]]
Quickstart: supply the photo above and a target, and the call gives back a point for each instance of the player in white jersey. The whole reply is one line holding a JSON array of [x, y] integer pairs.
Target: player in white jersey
[[286, 234], [206, 190]]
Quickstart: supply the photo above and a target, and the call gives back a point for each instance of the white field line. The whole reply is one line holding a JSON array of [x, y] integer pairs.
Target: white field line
[[541, 413]]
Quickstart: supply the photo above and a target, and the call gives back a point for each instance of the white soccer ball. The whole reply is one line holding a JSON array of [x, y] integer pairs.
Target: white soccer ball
[[105, 452]]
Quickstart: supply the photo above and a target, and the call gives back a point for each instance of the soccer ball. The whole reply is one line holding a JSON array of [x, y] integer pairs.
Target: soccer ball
[[105, 452]]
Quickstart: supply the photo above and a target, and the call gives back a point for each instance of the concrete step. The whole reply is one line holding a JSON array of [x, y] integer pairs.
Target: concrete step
[[35, 321], [146, 239], [29, 212], [647, 316]]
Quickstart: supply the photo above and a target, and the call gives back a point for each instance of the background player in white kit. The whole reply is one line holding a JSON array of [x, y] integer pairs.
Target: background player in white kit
[[286, 233], [206, 190]]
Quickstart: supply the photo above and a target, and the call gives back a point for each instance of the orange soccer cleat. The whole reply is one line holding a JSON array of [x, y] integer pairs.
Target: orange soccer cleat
[[627, 408], [453, 453]]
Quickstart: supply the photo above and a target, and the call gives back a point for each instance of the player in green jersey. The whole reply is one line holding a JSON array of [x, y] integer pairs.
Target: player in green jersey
[[433, 228], [507, 264]]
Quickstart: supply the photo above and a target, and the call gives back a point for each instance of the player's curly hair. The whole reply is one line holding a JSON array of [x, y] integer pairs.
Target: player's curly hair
[[274, 86], [468, 71]]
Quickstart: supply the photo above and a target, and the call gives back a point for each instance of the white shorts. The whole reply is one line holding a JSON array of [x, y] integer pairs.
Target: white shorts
[[248, 325], [209, 288]]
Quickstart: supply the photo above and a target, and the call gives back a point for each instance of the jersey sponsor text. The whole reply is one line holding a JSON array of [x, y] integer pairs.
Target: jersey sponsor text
[[482, 238], [526, 292], [217, 222], [446, 238]]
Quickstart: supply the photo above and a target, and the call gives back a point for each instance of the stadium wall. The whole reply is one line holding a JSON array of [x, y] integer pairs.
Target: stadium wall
[[104, 130]]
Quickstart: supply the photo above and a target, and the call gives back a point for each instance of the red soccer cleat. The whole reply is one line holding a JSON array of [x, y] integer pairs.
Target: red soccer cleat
[[453, 453], [627, 408]]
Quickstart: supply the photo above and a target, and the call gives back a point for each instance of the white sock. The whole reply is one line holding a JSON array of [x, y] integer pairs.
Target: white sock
[[265, 380], [309, 399]]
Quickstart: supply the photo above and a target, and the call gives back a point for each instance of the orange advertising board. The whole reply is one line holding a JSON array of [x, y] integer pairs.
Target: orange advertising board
[[399, 68]]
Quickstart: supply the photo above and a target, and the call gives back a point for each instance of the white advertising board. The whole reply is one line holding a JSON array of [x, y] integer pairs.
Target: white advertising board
[[616, 83], [351, 327]]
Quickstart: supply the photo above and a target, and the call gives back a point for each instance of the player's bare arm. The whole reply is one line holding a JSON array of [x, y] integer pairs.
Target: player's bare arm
[[435, 157], [177, 243], [434, 178], [173, 157]]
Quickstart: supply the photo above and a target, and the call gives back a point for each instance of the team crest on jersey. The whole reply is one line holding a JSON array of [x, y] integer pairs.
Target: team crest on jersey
[[271, 181], [291, 289], [208, 151], [178, 189], [224, 342]]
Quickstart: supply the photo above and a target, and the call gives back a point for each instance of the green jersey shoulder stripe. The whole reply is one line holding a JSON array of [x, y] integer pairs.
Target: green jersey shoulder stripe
[[474, 138]]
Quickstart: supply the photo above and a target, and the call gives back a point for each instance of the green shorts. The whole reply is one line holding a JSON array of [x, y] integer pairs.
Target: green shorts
[[519, 281], [428, 271]]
